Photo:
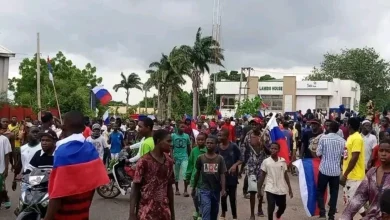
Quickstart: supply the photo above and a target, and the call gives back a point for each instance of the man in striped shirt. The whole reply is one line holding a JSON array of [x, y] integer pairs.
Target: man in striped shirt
[[330, 149]]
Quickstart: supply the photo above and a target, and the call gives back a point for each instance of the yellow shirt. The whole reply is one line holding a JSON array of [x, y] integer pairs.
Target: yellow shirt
[[354, 143], [15, 130], [146, 146]]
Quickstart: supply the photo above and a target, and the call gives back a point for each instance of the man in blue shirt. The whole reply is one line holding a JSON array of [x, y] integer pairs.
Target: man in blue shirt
[[116, 140]]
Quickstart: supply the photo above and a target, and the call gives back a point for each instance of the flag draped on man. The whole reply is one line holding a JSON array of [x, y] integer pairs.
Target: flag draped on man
[[77, 160], [278, 137], [308, 170]]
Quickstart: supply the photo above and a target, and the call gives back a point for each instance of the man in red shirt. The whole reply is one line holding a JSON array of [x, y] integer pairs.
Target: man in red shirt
[[230, 128]]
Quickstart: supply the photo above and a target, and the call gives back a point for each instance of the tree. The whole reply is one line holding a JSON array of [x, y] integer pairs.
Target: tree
[[205, 51], [168, 74], [364, 66], [73, 85], [265, 78], [132, 81], [249, 106]]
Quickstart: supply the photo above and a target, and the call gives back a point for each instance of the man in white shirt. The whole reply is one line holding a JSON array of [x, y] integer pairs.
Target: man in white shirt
[[28, 150], [5, 151], [369, 139]]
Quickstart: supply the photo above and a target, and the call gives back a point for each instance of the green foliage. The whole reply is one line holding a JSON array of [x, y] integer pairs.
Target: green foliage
[[266, 78], [72, 85], [149, 102], [248, 106], [132, 81], [364, 66], [233, 76]]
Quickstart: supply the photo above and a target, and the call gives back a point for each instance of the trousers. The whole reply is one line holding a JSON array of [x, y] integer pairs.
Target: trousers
[[231, 191], [209, 203], [275, 200]]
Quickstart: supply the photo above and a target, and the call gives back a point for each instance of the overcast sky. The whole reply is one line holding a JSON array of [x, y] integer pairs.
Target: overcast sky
[[280, 37]]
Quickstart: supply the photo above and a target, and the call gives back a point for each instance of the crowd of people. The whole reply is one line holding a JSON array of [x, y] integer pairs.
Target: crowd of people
[[210, 156]]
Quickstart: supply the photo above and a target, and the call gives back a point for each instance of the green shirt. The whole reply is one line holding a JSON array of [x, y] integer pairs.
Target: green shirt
[[191, 168], [147, 146], [180, 144]]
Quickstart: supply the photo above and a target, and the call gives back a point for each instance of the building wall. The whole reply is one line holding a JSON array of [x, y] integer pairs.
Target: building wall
[[297, 95], [4, 65]]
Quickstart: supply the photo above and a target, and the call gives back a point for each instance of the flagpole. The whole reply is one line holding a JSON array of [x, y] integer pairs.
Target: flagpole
[[38, 79], [58, 105]]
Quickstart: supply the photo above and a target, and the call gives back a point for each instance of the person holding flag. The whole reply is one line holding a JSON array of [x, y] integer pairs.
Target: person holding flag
[[75, 160]]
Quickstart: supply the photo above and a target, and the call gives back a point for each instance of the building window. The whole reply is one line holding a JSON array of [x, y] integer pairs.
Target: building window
[[228, 102], [322, 102], [274, 102], [346, 101]]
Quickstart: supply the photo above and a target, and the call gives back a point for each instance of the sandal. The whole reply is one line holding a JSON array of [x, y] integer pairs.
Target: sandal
[[185, 194], [177, 193]]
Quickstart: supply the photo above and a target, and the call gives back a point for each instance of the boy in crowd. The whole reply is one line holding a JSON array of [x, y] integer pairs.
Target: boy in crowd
[[5, 152], [98, 140], [116, 140], [209, 180], [181, 149], [277, 184], [231, 155], [191, 168]]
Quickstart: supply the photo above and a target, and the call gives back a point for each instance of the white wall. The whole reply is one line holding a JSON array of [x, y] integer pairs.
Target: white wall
[[229, 88], [273, 86], [305, 102]]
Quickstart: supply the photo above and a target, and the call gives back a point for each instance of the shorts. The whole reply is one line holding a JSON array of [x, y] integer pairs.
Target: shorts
[[180, 169], [114, 156], [349, 191]]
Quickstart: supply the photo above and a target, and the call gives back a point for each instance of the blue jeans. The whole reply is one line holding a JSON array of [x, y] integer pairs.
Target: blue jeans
[[209, 203]]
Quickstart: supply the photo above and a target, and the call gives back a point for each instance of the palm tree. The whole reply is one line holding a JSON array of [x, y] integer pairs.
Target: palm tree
[[204, 52], [132, 81], [168, 75], [146, 87]]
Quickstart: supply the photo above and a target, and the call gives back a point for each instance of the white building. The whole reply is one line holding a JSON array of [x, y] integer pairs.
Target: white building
[[289, 95], [5, 54]]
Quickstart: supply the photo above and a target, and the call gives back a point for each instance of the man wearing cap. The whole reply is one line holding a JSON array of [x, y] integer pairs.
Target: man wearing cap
[[97, 140], [369, 139], [44, 157], [309, 139]]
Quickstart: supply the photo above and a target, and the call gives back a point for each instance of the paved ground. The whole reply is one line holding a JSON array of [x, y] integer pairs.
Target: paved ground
[[117, 209]]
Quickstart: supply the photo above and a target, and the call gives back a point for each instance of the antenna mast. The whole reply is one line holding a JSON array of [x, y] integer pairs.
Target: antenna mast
[[216, 34]]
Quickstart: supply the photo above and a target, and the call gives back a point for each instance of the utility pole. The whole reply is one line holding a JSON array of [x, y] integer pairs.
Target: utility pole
[[239, 91], [38, 78], [241, 79]]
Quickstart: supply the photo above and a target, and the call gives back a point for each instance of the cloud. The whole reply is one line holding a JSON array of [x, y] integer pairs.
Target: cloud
[[275, 37]]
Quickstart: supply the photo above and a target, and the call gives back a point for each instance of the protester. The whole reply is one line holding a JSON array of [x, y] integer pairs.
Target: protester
[[107, 152], [198, 150], [344, 128], [44, 156], [231, 155], [254, 150], [370, 141], [277, 184], [98, 140], [75, 161], [5, 152], [151, 194], [116, 140], [330, 149], [310, 138], [87, 130], [375, 161], [232, 131], [145, 129], [14, 129], [28, 151], [209, 180], [353, 164], [181, 148], [370, 190]]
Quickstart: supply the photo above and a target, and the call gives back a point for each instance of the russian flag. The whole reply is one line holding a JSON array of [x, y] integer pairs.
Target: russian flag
[[102, 94], [77, 168], [278, 137], [106, 117], [308, 170]]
